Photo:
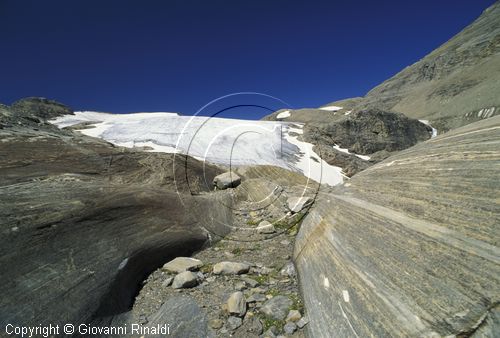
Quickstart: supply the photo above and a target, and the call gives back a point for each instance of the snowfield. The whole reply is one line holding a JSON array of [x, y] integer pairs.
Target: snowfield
[[434, 130], [345, 150], [331, 108], [215, 140], [283, 114]]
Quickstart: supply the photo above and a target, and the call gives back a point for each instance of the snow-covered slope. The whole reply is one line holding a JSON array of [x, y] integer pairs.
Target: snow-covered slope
[[216, 140]]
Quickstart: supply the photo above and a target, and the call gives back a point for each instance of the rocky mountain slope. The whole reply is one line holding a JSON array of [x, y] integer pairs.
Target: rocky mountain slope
[[354, 140], [456, 84]]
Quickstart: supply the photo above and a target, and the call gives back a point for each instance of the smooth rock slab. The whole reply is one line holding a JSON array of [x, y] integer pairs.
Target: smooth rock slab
[[227, 180], [181, 264], [186, 279], [277, 307], [184, 316], [230, 268], [296, 204]]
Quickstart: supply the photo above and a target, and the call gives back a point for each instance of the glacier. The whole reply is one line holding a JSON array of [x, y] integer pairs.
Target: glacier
[[222, 141]]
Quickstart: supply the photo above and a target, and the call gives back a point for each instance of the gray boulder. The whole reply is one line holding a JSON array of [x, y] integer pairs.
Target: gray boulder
[[226, 180], [236, 304], [293, 316], [302, 322], [186, 279], [230, 268], [256, 297], [265, 227], [181, 264], [233, 323], [290, 328], [288, 270], [277, 307]]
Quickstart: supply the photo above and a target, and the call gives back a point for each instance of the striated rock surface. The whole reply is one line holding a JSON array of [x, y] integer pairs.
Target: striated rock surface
[[84, 222], [184, 319], [409, 247]]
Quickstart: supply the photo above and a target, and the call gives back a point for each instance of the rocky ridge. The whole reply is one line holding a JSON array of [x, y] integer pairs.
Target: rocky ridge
[[355, 140], [454, 85]]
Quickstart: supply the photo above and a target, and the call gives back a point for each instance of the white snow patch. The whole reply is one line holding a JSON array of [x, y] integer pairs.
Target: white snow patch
[[434, 130], [216, 140], [345, 295], [331, 108], [283, 114], [312, 165], [348, 112], [345, 150]]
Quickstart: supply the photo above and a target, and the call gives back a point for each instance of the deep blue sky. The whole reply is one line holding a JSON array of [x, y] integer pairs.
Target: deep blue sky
[[124, 56]]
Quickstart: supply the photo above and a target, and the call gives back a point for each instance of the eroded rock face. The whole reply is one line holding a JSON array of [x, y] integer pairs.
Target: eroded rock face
[[368, 131], [39, 107], [409, 247], [184, 316], [83, 222]]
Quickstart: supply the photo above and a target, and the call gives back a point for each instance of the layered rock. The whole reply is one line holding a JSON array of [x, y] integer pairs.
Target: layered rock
[[84, 222], [409, 247]]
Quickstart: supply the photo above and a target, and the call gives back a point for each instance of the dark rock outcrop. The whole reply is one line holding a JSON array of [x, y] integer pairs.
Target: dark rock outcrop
[[364, 132], [368, 131], [409, 247], [40, 108]]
